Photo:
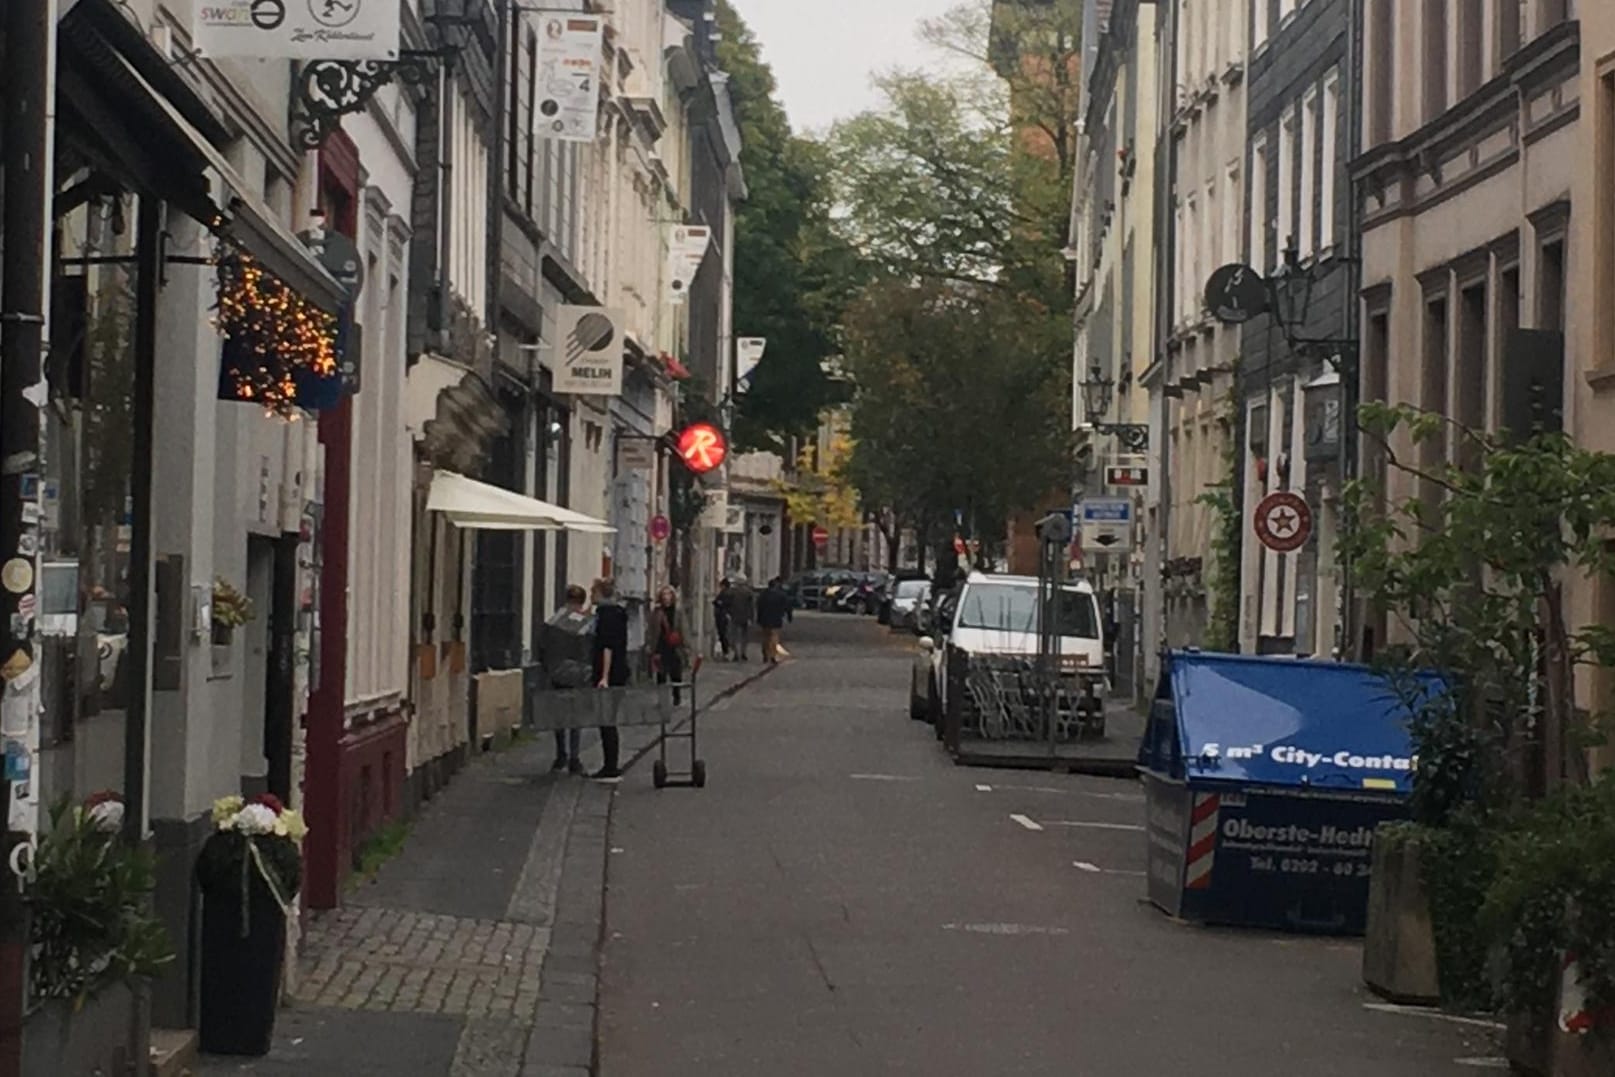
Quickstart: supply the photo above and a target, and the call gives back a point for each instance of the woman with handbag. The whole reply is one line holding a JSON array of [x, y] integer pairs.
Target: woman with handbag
[[668, 645]]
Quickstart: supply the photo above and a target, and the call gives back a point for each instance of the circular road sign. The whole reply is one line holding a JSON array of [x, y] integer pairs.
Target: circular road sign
[[702, 447], [1235, 294], [1283, 522], [660, 528], [821, 537]]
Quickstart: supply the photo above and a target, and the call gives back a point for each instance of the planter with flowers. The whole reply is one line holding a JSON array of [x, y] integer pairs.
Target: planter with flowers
[[249, 872], [231, 610], [93, 940]]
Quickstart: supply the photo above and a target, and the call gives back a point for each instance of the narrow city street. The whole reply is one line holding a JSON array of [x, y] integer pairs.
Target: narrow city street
[[842, 899]]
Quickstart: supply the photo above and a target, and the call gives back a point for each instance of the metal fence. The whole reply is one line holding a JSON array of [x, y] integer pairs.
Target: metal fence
[[1010, 699]]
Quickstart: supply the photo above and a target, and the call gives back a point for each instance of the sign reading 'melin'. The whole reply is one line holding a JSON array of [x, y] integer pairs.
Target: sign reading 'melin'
[[586, 357], [297, 29]]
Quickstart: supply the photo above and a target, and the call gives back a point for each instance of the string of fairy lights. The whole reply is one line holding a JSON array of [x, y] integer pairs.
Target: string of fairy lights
[[273, 336]]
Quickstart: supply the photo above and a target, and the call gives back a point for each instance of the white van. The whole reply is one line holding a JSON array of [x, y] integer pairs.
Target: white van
[[997, 616]]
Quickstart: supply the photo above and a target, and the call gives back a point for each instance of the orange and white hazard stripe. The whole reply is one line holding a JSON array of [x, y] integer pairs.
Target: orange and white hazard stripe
[[1202, 853]]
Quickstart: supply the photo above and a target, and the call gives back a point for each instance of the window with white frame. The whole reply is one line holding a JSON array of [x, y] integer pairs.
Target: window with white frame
[[1191, 263], [1286, 9], [1284, 236], [1230, 215], [1180, 247], [1210, 260], [1309, 172], [1258, 204], [1331, 161], [1259, 27]]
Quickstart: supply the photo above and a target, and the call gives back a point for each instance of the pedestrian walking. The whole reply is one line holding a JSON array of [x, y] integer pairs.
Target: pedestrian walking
[[743, 612], [566, 651], [773, 610], [610, 667], [668, 641], [722, 610]]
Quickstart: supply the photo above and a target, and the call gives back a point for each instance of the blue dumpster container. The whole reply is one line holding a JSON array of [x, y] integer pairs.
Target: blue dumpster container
[[1264, 780]]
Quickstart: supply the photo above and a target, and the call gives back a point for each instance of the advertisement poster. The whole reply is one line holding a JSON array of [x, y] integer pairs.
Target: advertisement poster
[[568, 76], [297, 29], [587, 355], [686, 250]]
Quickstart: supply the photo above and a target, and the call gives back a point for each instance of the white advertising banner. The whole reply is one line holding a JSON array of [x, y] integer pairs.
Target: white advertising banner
[[748, 353], [586, 354], [568, 76], [686, 250], [297, 29]]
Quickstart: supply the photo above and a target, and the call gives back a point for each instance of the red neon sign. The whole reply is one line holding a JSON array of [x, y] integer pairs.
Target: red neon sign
[[702, 447]]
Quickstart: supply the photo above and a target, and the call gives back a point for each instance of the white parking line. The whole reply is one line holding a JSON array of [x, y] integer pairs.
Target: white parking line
[[1083, 865], [882, 778], [1094, 826], [1027, 823], [1006, 929], [984, 789], [1432, 1014], [1489, 1063]]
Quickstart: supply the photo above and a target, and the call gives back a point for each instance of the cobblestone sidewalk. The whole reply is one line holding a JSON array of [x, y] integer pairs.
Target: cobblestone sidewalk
[[475, 951]]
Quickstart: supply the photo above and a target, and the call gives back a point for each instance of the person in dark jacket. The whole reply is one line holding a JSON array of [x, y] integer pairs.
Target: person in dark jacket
[[669, 643], [566, 651], [773, 610], [743, 610], [722, 611], [611, 666]]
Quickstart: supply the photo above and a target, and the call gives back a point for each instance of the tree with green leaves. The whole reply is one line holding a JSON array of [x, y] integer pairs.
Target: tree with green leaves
[[793, 271]]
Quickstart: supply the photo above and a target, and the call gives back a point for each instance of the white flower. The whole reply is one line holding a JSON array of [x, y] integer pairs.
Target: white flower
[[107, 816], [255, 819]]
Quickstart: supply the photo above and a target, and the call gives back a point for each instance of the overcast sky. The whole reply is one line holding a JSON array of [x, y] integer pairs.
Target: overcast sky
[[823, 53]]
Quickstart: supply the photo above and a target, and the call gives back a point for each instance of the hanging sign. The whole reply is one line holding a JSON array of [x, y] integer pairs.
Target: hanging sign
[[636, 454], [686, 250], [1105, 523], [297, 29], [702, 447], [586, 355], [748, 353], [569, 76]]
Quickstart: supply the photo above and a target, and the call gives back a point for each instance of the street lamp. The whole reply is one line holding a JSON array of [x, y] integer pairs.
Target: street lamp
[[1097, 393], [327, 90]]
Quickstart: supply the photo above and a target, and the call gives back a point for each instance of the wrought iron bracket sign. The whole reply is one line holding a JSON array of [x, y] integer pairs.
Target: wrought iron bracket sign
[[1097, 392], [327, 90], [1134, 437]]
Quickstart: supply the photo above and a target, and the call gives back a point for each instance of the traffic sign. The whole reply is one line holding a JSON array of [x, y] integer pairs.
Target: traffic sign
[[1107, 523], [660, 528], [821, 537], [1283, 522], [702, 447], [1127, 476]]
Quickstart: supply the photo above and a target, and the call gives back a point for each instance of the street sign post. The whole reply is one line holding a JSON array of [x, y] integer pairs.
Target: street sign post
[[821, 537], [1283, 522], [1106, 524]]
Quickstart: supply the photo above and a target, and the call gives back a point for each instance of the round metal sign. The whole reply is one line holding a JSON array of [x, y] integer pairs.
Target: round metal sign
[[660, 528], [1235, 294], [821, 537], [1283, 522], [702, 447]]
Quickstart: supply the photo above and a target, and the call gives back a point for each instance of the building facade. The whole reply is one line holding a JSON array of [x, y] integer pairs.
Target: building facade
[[1298, 357]]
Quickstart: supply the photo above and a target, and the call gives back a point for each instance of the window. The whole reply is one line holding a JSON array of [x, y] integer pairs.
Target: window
[[1286, 9], [1309, 172], [1508, 31], [1433, 393], [1191, 263], [1434, 32], [1471, 46], [1179, 249], [1230, 217], [1284, 238], [1258, 205], [1469, 369], [1331, 162], [1551, 287], [1212, 258], [1551, 13], [1382, 65], [1259, 29]]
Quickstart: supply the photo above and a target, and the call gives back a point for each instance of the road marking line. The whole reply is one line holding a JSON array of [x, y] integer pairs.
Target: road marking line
[[1083, 865], [1431, 1014], [883, 778], [1096, 826], [1006, 929], [1484, 1063], [1027, 823], [984, 789]]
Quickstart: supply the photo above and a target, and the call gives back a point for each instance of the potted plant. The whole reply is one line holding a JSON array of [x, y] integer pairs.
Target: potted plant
[[249, 873], [92, 938], [231, 610]]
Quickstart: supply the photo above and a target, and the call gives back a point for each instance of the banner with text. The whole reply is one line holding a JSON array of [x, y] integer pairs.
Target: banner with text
[[297, 29], [686, 249], [586, 355], [748, 353], [569, 76]]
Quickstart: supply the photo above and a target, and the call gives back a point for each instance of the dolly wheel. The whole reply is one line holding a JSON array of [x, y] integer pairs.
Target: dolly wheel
[[658, 775], [698, 774]]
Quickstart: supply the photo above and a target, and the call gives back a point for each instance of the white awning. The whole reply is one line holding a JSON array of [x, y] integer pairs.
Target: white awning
[[478, 506]]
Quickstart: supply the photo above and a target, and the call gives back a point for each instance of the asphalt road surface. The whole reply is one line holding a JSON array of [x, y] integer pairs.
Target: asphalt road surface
[[842, 900]]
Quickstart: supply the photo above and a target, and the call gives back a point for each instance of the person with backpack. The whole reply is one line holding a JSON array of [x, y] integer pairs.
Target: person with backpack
[[566, 651]]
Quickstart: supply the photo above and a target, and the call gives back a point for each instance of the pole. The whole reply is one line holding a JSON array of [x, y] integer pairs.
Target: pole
[[26, 89], [149, 262]]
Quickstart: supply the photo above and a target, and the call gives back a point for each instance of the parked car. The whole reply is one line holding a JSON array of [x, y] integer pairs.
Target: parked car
[[997, 616], [807, 590], [901, 609]]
